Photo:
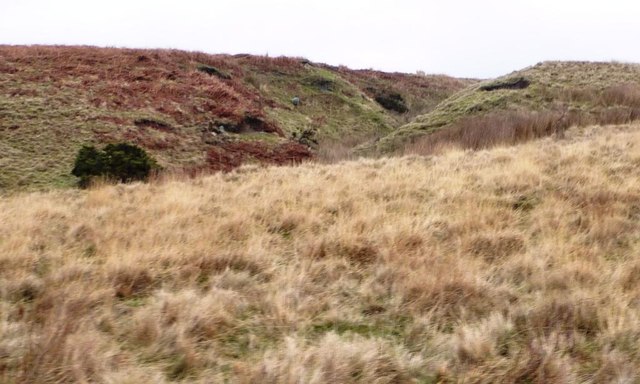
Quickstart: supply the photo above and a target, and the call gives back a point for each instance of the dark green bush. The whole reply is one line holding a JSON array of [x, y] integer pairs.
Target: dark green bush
[[127, 162], [122, 162], [89, 163], [391, 101]]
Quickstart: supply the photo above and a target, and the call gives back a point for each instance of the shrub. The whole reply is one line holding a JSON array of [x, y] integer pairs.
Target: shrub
[[503, 127], [391, 101], [127, 162], [122, 162], [307, 136], [89, 163]]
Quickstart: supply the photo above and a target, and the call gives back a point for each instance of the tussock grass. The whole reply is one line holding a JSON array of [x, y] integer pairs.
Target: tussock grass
[[513, 264]]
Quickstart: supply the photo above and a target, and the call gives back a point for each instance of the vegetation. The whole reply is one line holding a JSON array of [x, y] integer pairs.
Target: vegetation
[[580, 93], [121, 162], [54, 100], [517, 82], [391, 101], [515, 264], [500, 246], [420, 93]]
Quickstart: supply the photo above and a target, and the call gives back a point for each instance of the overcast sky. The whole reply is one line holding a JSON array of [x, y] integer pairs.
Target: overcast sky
[[463, 38]]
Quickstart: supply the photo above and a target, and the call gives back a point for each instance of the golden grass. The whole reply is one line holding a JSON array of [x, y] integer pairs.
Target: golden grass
[[514, 264]]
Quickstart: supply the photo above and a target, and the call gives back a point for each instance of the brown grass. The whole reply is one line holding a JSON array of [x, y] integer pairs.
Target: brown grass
[[515, 264], [615, 105], [498, 128]]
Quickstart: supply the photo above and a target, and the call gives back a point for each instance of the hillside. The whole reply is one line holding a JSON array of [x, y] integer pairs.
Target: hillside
[[536, 101], [173, 103], [511, 265]]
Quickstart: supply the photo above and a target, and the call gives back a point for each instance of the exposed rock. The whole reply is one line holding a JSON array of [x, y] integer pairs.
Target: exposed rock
[[213, 71], [513, 83]]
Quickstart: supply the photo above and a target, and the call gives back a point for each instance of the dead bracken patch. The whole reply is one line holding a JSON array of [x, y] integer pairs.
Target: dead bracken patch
[[230, 155]]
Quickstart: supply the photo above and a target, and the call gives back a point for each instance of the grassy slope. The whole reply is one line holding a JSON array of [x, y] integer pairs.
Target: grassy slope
[[516, 264], [421, 93], [54, 99], [575, 87]]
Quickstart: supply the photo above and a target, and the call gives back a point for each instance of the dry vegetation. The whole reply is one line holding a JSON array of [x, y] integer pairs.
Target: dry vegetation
[[511, 265], [615, 105]]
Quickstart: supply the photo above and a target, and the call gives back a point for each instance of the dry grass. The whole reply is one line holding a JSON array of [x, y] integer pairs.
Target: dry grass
[[510, 265], [500, 128], [619, 104]]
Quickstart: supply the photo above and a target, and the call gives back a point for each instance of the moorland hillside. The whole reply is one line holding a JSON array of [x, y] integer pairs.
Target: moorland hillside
[[538, 101], [193, 112]]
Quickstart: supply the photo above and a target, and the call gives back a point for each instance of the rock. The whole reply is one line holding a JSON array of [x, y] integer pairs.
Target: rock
[[512, 83]]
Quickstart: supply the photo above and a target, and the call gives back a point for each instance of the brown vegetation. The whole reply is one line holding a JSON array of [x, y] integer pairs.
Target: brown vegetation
[[494, 129], [613, 105], [129, 79], [230, 155], [511, 265]]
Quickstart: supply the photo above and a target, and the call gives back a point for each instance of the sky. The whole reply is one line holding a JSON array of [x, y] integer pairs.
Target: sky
[[463, 38]]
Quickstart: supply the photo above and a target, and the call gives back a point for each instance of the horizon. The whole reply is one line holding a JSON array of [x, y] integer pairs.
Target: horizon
[[314, 61], [461, 39]]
